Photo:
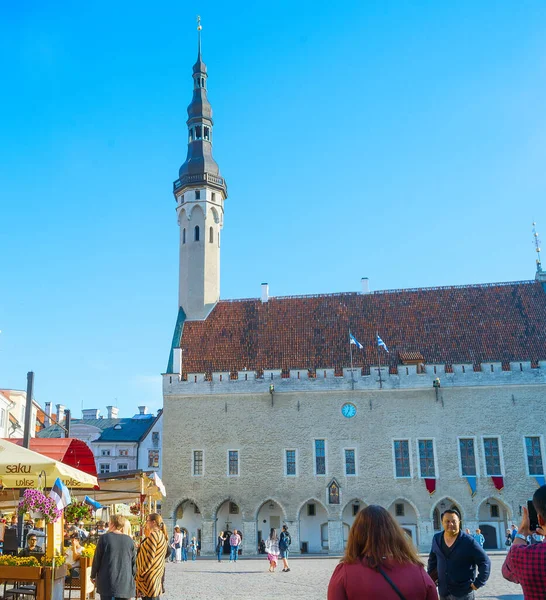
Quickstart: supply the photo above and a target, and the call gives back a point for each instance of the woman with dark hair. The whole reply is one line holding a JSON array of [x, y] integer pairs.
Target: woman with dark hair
[[272, 549], [380, 562], [150, 562]]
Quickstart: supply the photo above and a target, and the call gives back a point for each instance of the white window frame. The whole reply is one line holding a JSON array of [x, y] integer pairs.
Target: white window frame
[[285, 464], [501, 455], [541, 442], [394, 458], [476, 455], [126, 465], [193, 473], [325, 474], [238, 462], [426, 439], [345, 461]]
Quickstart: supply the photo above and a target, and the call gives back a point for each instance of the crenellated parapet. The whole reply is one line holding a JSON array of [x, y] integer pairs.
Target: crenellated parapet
[[375, 377]]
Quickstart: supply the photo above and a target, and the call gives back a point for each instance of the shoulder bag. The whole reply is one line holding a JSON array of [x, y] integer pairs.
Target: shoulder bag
[[391, 583]]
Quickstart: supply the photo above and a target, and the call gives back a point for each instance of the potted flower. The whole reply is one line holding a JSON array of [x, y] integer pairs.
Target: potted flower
[[19, 568], [77, 511], [135, 508], [39, 506]]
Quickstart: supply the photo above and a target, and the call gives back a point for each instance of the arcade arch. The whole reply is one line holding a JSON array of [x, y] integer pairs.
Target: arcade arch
[[313, 519]]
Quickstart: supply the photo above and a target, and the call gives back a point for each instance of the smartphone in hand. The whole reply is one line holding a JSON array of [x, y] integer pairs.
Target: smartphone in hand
[[533, 517]]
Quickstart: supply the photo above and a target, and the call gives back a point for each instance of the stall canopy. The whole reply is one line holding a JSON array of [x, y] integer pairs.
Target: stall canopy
[[23, 468], [70, 451], [128, 487]]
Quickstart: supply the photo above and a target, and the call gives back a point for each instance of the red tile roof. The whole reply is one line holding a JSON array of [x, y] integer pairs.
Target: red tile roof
[[465, 324]]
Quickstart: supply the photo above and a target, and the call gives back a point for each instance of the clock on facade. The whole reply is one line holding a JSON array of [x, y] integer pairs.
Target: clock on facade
[[348, 410]]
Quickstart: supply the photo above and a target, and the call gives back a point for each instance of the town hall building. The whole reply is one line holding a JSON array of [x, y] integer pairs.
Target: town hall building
[[285, 422]]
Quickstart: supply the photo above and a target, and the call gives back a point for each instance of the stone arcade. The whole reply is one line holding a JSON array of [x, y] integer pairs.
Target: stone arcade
[[266, 423]]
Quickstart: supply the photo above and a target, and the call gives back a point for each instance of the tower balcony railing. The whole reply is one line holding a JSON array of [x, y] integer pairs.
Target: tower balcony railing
[[198, 178]]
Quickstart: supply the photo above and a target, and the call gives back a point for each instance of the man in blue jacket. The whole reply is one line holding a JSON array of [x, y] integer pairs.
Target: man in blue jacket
[[455, 556]]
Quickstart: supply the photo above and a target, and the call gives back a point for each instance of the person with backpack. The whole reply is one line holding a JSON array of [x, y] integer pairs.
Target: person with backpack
[[284, 547]]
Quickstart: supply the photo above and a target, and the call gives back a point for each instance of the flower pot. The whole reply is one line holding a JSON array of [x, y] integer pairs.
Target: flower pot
[[20, 573]]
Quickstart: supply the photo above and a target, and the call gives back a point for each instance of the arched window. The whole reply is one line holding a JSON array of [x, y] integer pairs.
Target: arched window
[[196, 235], [211, 235], [184, 235]]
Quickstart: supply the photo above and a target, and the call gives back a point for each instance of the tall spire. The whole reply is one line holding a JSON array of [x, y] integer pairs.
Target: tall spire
[[199, 161], [540, 274]]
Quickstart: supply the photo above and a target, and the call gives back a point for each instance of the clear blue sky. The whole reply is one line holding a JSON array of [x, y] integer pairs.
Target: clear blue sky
[[395, 140]]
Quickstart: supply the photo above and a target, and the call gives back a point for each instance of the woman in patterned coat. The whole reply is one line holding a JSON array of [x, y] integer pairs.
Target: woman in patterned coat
[[150, 562]]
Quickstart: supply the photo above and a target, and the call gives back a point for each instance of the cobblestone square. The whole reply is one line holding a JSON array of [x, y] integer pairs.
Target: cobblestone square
[[206, 579]]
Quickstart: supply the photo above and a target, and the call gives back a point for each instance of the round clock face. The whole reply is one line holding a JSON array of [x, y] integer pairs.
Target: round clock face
[[348, 410]]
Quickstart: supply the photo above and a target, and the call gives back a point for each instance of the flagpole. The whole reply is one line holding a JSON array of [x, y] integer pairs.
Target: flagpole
[[379, 360], [351, 351]]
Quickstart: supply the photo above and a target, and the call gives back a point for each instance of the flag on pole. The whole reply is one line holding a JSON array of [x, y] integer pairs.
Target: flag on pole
[[354, 341], [92, 503], [60, 494], [380, 342]]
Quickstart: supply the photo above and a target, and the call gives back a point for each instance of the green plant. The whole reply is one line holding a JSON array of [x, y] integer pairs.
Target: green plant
[[77, 511]]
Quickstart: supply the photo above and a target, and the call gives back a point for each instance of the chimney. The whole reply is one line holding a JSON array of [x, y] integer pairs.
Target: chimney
[[265, 292], [60, 413], [47, 412], [143, 410], [90, 413], [112, 412], [365, 285]]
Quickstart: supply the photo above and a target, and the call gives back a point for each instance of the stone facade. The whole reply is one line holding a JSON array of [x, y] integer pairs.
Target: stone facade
[[243, 415]]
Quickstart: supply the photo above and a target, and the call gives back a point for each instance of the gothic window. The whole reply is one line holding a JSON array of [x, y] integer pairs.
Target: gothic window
[[468, 457], [211, 235], [184, 235], [534, 456], [196, 233], [206, 133], [198, 194], [333, 493], [198, 132]]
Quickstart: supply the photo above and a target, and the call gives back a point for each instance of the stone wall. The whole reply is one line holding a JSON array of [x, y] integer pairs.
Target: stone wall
[[242, 415]]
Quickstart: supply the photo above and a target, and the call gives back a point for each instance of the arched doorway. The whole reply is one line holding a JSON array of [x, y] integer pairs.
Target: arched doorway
[[493, 519], [349, 513], [313, 535], [270, 514], [188, 517], [406, 515], [228, 518], [440, 506]]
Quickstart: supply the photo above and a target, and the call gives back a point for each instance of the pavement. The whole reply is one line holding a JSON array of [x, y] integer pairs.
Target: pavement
[[248, 579]]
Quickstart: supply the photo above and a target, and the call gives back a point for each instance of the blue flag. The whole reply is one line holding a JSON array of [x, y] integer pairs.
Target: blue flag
[[354, 341], [380, 342], [92, 503]]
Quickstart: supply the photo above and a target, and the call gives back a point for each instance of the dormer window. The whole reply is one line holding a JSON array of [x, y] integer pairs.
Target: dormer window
[[118, 426]]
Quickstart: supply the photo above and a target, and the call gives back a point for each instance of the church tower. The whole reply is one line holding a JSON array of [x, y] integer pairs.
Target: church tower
[[199, 192]]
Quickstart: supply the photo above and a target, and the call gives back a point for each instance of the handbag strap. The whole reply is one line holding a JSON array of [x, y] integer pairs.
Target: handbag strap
[[391, 583]]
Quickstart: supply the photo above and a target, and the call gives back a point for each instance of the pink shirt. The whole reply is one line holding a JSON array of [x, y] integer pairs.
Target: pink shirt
[[359, 582], [235, 539]]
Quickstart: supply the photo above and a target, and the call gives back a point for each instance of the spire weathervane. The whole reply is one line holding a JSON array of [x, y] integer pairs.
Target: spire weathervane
[[199, 27], [536, 241]]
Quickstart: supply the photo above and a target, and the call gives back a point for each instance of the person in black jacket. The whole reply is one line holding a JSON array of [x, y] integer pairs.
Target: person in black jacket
[[114, 567], [453, 560]]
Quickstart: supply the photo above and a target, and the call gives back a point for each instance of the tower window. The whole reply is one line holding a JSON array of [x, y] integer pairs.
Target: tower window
[[198, 194], [196, 234], [184, 235], [202, 82], [192, 134], [211, 235], [206, 133], [198, 132], [213, 197]]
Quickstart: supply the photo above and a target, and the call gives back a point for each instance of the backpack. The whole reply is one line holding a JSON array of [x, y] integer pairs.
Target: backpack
[[285, 540]]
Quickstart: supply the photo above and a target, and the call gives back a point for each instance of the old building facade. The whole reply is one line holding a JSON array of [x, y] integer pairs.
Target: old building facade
[[279, 428]]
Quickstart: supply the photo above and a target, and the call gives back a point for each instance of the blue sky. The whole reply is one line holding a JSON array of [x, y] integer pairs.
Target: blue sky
[[399, 141]]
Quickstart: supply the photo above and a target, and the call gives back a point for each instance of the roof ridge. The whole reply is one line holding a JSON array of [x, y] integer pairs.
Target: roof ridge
[[387, 291]]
